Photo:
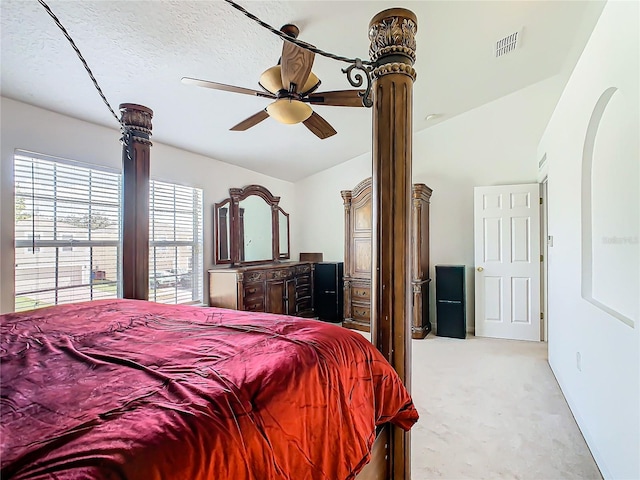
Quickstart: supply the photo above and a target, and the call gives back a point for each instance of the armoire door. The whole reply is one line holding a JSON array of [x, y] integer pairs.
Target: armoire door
[[357, 256]]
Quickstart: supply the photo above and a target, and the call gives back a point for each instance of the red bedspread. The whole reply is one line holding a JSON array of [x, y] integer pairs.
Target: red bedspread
[[128, 389]]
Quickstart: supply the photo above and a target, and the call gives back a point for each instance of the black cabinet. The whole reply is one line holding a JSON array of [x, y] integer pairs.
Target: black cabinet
[[450, 301], [328, 291]]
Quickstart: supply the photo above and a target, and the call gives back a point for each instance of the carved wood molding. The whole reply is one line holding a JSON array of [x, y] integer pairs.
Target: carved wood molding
[[238, 194], [137, 119], [421, 191], [363, 185], [389, 68], [392, 32]]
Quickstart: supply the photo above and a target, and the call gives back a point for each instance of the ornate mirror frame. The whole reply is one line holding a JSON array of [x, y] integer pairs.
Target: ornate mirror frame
[[230, 252], [222, 232], [283, 255]]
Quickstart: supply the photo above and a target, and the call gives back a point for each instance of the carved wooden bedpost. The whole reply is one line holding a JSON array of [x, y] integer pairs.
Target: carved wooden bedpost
[[392, 35], [135, 227], [346, 199]]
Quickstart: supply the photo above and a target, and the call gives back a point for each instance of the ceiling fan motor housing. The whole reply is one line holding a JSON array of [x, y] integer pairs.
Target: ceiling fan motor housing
[[290, 30]]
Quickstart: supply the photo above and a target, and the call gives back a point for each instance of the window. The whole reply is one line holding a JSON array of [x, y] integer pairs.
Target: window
[[176, 267], [67, 231], [68, 235]]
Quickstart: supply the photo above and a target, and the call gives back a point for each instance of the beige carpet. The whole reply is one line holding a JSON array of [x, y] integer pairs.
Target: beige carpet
[[491, 409]]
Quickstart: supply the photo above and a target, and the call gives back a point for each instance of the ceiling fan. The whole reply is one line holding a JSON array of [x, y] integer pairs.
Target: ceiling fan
[[292, 86]]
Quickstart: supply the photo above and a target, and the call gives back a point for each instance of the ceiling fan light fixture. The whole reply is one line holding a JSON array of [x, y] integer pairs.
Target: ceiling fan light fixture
[[311, 82], [289, 111], [271, 79]]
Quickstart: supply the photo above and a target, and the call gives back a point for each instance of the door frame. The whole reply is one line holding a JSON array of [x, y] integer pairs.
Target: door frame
[[545, 240]]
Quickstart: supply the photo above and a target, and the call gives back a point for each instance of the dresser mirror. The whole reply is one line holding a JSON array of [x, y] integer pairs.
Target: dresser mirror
[[256, 231], [283, 233], [222, 226], [250, 227]]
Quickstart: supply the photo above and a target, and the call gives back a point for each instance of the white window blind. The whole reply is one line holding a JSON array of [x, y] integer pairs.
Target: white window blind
[[67, 231], [176, 265]]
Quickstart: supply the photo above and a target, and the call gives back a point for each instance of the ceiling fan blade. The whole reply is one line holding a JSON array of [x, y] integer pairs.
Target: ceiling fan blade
[[296, 65], [251, 121], [226, 88], [319, 126], [338, 98]]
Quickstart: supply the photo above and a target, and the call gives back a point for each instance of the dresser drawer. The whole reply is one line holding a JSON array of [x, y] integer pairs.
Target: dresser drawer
[[360, 294], [250, 277], [303, 280], [303, 291], [303, 304], [279, 274], [302, 269], [253, 292], [359, 312], [255, 305]]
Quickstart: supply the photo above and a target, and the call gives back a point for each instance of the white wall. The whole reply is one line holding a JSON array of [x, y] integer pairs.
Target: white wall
[[494, 144], [319, 203], [34, 129], [594, 334]]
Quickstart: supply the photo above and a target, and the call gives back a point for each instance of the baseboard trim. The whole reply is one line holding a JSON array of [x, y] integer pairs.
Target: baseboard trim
[[588, 438]]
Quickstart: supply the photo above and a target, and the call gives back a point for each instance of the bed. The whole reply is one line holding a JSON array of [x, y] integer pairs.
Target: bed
[[182, 430], [129, 389]]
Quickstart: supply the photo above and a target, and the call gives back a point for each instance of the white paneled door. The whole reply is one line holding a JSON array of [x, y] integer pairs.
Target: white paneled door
[[507, 261]]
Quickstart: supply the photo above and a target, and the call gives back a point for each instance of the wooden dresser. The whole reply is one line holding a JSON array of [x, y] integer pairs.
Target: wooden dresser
[[282, 287], [357, 258]]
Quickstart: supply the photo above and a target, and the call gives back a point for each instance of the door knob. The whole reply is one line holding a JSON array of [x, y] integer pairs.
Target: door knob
[[480, 269]]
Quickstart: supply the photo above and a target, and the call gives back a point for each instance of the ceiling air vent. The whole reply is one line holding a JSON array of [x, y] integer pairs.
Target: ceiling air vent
[[507, 44], [542, 161]]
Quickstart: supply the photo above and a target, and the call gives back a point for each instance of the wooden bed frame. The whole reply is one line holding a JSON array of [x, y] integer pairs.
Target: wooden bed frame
[[392, 49]]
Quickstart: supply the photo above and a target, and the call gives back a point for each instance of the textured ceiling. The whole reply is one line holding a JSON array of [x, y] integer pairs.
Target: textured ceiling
[[139, 50]]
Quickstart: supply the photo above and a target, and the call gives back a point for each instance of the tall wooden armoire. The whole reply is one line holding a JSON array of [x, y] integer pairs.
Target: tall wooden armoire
[[357, 258]]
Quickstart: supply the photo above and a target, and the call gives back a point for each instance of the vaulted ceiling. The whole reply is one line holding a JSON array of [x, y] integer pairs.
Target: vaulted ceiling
[[139, 50]]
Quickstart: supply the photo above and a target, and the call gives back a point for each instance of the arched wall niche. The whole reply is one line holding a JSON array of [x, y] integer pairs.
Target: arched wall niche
[[611, 209]]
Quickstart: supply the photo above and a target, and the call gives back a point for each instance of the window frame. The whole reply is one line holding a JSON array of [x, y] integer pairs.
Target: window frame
[[64, 244], [196, 261]]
